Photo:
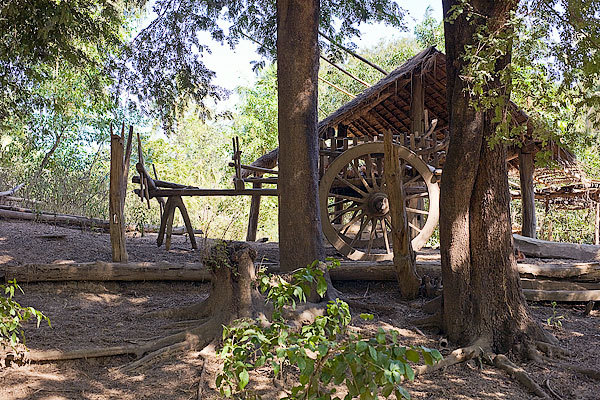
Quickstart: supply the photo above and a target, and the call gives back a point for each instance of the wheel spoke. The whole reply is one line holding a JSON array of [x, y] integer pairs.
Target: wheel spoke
[[412, 180], [350, 184], [349, 198], [416, 211], [363, 225], [370, 246], [349, 224], [417, 195], [337, 203], [414, 227], [371, 172], [385, 235], [339, 213], [363, 180]]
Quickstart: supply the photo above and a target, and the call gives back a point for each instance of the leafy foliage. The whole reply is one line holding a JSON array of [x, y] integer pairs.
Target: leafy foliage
[[324, 353], [12, 315]]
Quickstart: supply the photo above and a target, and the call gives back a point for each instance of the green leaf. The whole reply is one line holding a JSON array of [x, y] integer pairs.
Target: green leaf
[[244, 379], [401, 393], [437, 356], [409, 373], [387, 390], [366, 317], [373, 353], [412, 355], [361, 346], [321, 286]]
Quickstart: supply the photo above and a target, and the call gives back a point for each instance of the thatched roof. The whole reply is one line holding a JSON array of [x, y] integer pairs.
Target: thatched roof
[[386, 104]]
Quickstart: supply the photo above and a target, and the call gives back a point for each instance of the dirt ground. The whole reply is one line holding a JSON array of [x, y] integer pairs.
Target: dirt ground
[[88, 315]]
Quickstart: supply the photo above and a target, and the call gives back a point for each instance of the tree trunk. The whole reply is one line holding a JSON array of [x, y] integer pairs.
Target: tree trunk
[[300, 238], [526, 170], [482, 292]]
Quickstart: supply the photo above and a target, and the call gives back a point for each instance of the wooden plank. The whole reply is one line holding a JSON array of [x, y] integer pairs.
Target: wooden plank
[[256, 169], [212, 192]]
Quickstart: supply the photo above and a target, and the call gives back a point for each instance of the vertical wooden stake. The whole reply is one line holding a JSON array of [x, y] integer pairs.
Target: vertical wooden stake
[[254, 213], [597, 225], [404, 257], [117, 225], [526, 170]]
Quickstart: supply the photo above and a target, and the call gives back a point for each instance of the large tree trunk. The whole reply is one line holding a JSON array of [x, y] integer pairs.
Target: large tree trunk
[[482, 292], [300, 240]]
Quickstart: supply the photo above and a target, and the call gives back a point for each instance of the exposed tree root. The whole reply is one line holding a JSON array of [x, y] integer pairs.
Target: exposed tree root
[[544, 353], [502, 362], [432, 321], [547, 385], [456, 357], [57, 355]]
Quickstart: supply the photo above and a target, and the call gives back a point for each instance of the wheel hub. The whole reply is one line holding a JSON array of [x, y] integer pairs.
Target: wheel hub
[[377, 204]]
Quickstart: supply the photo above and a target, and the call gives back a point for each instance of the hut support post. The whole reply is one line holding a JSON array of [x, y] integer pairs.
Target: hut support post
[[116, 199], [597, 225], [417, 131], [342, 133], [404, 257], [526, 169], [254, 213]]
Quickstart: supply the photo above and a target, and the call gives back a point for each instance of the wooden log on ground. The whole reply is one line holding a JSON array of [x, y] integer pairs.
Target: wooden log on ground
[[575, 272], [11, 191], [545, 284], [545, 249], [76, 220], [55, 218], [562, 295], [108, 271], [534, 290]]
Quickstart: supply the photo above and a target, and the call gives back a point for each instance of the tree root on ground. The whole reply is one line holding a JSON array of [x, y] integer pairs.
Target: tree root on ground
[[232, 296], [500, 361], [456, 357], [547, 385], [432, 321], [544, 353]]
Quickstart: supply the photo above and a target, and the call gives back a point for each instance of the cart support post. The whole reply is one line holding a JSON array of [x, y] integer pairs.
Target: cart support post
[[404, 257]]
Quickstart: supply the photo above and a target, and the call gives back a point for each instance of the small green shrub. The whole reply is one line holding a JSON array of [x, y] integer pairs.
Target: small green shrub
[[12, 315], [555, 320], [322, 354]]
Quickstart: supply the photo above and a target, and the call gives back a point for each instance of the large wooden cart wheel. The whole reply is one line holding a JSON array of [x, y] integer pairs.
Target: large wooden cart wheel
[[354, 206]]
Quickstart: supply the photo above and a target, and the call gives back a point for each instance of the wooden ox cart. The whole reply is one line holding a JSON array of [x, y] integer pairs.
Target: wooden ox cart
[[410, 102]]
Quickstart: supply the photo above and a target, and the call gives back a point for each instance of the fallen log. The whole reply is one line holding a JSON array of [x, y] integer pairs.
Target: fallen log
[[108, 271], [534, 289], [545, 249], [562, 285], [55, 218], [578, 271], [11, 191], [562, 295], [12, 212]]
